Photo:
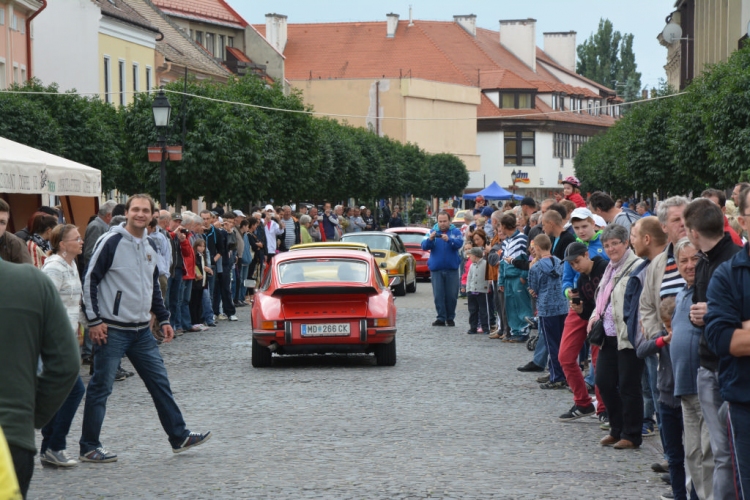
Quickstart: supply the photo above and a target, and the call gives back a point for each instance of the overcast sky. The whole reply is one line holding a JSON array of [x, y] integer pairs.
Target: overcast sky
[[643, 18]]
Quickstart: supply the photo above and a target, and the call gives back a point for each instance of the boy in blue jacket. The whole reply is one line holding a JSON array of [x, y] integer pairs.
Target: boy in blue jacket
[[545, 283]]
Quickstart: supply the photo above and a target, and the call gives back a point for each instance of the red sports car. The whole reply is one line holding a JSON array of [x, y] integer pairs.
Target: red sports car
[[412, 238], [324, 301]]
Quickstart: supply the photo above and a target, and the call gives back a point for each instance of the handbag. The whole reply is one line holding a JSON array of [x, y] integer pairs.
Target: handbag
[[597, 335]]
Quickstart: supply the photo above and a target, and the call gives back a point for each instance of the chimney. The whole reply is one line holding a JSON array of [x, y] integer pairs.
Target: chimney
[[519, 37], [561, 47], [276, 31], [469, 23], [391, 25]]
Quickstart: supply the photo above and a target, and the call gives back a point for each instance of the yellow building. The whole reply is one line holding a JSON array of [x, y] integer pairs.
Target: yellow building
[[127, 52], [702, 32]]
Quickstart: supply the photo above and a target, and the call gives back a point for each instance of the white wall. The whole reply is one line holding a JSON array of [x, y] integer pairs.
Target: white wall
[[543, 176], [66, 45]]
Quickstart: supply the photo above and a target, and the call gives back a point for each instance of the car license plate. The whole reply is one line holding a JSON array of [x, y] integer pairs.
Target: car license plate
[[326, 330]]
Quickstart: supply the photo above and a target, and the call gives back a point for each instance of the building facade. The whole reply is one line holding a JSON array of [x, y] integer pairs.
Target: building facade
[[710, 30], [505, 107], [16, 40]]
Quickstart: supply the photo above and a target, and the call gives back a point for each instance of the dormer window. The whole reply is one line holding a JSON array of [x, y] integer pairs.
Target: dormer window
[[516, 100]]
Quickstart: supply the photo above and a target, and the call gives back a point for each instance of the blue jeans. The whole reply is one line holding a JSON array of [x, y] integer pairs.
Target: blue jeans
[[650, 390], [186, 289], [445, 293], [55, 432], [540, 352], [552, 326], [175, 312], [738, 420], [241, 289], [141, 349], [208, 309], [671, 431]]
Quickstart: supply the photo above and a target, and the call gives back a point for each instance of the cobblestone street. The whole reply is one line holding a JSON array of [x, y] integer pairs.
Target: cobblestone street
[[453, 419]]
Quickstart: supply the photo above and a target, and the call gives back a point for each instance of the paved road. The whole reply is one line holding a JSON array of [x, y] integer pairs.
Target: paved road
[[453, 419]]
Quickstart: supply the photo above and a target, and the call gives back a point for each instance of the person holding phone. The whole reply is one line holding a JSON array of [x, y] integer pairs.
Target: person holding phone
[[582, 303]]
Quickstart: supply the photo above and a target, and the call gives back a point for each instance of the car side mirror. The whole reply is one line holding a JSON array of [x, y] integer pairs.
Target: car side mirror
[[395, 281], [383, 265]]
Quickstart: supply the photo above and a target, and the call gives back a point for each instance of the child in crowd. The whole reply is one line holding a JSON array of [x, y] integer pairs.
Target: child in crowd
[[477, 288], [466, 264], [545, 283]]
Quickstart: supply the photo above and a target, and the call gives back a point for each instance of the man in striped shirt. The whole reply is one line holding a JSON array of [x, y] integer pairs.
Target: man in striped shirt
[[512, 279]]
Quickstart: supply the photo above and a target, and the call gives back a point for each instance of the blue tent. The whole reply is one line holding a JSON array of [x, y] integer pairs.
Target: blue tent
[[493, 192]]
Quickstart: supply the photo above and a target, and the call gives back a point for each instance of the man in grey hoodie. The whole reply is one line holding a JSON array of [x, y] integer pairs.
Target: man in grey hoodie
[[121, 290]]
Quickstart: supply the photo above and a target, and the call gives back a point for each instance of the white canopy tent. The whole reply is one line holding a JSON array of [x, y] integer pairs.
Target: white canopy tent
[[30, 178]]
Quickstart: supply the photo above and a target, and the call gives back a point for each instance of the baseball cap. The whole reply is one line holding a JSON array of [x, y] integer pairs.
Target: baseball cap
[[362, 207], [599, 221], [574, 251], [581, 214], [176, 216], [238, 213], [268, 207], [528, 201], [487, 211], [476, 252]]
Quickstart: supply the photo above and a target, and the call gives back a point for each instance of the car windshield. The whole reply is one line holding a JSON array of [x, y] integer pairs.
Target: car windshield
[[373, 240], [411, 237], [330, 270]]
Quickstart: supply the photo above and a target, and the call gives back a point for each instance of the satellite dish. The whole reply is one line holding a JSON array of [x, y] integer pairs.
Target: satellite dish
[[671, 33]]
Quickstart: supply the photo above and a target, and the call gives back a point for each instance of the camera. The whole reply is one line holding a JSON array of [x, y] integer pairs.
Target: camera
[[576, 300], [263, 215], [184, 231]]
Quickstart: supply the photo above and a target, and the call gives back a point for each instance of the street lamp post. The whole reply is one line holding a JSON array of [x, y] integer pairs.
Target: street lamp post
[[162, 110]]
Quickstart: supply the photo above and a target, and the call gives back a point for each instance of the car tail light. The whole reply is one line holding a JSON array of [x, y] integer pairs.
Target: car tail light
[[393, 271], [375, 322], [270, 325]]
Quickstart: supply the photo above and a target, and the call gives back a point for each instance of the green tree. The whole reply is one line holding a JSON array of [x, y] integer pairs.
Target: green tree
[[607, 57], [448, 175]]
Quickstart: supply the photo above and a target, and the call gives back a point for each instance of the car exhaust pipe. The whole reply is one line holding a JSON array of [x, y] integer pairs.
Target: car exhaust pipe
[[273, 347]]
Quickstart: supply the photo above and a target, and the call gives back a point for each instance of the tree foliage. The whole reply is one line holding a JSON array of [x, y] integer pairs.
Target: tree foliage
[[232, 153], [607, 57], [680, 143]]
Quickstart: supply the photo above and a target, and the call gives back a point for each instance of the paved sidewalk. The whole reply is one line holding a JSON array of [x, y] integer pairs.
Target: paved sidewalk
[[453, 419]]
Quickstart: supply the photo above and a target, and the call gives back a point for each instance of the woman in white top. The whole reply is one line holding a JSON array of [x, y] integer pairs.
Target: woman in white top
[[66, 244]]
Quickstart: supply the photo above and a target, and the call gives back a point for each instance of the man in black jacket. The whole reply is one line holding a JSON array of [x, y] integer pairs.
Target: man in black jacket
[[704, 223], [553, 226]]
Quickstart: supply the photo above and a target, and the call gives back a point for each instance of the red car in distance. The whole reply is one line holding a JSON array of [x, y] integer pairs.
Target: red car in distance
[[412, 238], [324, 301]]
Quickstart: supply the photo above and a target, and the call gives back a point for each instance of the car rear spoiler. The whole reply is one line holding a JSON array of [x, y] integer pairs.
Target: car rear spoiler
[[325, 290]]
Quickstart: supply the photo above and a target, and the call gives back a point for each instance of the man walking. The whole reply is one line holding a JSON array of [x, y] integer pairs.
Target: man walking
[[35, 325], [443, 242], [121, 288]]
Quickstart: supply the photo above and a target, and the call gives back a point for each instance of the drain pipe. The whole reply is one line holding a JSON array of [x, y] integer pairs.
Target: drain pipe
[[28, 38]]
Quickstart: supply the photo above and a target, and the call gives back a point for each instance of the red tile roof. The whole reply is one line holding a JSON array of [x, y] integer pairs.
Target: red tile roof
[[238, 54], [432, 50], [210, 11]]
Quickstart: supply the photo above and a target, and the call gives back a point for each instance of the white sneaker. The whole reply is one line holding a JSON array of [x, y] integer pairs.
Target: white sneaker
[[233, 318], [58, 458]]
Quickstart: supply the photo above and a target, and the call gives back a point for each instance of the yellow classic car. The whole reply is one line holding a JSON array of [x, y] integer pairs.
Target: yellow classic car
[[391, 255], [341, 245]]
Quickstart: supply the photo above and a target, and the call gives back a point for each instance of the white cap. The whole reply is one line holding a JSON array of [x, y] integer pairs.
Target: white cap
[[221, 221], [268, 207], [599, 221], [362, 207], [582, 214], [239, 213]]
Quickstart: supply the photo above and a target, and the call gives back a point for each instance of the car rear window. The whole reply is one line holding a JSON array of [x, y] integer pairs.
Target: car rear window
[[411, 237], [373, 240], [318, 270]]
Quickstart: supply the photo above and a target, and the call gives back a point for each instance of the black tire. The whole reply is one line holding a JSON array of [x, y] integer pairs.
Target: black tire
[[400, 289], [531, 343], [413, 287], [385, 354], [262, 356]]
